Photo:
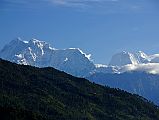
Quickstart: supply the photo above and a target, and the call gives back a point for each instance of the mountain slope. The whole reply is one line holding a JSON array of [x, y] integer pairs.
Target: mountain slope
[[46, 93]]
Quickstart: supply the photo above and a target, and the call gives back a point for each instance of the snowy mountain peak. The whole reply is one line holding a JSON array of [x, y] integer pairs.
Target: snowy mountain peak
[[123, 58]]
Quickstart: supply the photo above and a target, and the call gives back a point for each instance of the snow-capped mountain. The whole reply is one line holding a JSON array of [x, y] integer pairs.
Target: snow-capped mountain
[[123, 58], [138, 61], [41, 54]]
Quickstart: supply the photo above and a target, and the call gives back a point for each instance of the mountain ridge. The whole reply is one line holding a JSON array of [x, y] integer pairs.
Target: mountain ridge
[[39, 53]]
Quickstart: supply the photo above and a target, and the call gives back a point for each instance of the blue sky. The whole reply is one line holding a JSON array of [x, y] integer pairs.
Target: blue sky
[[99, 27]]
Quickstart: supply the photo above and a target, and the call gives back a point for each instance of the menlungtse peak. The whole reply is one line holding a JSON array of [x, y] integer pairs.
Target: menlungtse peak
[[123, 58]]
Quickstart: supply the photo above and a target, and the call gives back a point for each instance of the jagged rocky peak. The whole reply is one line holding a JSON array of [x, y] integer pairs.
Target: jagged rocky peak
[[123, 58]]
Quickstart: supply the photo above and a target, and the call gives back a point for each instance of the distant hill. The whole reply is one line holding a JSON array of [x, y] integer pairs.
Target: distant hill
[[30, 93]]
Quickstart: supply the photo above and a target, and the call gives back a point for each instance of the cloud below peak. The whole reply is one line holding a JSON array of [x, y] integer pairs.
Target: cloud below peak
[[152, 68]]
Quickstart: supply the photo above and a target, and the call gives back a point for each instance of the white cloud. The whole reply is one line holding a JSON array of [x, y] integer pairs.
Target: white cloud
[[104, 6], [152, 68], [67, 3], [61, 2], [78, 2]]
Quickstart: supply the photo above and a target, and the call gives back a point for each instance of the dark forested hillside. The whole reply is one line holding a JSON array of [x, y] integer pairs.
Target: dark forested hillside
[[29, 93]]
